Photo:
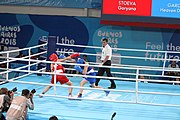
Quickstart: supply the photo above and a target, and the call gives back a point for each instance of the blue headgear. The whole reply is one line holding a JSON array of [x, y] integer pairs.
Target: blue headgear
[[80, 61], [62, 56]]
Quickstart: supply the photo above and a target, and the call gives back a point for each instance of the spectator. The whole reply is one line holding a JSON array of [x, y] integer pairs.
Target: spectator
[[53, 118], [173, 65], [2, 58], [3, 66], [20, 55], [33, 57], [19, 106], [5, 102], [142, 77]]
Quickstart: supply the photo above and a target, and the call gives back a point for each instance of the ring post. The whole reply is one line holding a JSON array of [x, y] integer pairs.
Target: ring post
[[7, 74], [55, 78], [137, 77], [51, 48], [29, 52], [164, 63]]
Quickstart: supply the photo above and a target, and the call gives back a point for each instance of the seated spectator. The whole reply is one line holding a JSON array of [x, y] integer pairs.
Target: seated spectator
[[53, 118], [20, 55], [142, 77], [34, 57], [3, 65], [173, 73]]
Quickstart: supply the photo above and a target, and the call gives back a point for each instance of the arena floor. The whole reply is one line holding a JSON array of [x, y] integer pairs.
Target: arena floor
[[66, 109]]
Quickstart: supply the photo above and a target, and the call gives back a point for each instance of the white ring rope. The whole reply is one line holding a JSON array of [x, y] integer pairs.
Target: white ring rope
[[129, 66], [118, 67], [40, 61], [88, 88], [25, 57], [118, 73], [7, 60], [168, 69], [18, 77], [76, 75], [18, 50], [17, 69], [123, 49], [114, 78], [133, 57], [108, 77]]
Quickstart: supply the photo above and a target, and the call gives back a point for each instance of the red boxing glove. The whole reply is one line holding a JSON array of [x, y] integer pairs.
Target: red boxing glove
[[75, 55], [53, 57]]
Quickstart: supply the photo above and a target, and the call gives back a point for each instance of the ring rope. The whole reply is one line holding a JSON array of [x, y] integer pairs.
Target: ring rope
[[123, 49], [98, 66], [149, 68], [87, 88], [127, 78], [133, 57], [22, 57], [114, 78], [17, 50], [18, 77], [118, 73]]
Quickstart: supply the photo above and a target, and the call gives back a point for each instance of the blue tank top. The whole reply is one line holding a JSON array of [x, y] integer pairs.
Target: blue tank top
[[89, 68]]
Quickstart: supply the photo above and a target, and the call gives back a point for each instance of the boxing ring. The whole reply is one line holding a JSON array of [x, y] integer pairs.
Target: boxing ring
[[133, 99]]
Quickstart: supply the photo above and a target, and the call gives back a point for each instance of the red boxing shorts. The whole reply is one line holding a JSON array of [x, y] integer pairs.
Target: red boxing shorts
[[59, 78]]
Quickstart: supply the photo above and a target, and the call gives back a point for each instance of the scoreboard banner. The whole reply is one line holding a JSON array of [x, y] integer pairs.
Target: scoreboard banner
[[166, 8], [163, 8], [133, 7], [146, 13]]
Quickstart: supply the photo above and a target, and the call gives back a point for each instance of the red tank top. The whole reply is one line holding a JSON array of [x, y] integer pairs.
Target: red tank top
[[58, 68]]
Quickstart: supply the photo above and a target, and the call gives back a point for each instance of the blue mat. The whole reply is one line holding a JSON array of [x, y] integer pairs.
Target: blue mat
[[97, 110]]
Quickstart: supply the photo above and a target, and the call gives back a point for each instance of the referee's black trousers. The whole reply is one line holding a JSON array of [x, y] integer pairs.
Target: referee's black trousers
[[108, 72]]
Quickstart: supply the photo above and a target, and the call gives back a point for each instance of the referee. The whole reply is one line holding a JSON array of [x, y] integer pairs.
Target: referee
[[106, 60]]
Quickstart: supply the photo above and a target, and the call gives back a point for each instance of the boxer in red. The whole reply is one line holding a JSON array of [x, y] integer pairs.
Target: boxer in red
[[58, 68]]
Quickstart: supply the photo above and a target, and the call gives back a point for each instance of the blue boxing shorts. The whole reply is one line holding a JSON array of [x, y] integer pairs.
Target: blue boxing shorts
[[91, 80]]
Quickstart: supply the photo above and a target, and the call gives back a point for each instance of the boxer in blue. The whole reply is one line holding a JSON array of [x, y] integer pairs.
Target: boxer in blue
[[86, 70]]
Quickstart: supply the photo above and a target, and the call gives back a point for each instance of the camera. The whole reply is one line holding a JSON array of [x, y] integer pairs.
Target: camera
[[33, 91], [14, 89], [10, 91]]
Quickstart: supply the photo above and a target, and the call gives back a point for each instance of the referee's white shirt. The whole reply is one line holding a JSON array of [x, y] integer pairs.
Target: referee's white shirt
[[106, 51]]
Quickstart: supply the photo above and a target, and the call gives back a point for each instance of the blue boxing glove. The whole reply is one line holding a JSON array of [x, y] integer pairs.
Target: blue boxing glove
[[78, 68], [62, 56], [80, 61]]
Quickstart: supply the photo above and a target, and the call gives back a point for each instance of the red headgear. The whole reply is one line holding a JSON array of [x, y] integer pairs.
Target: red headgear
[[53, 57]]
